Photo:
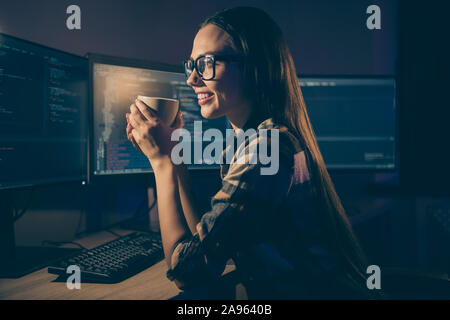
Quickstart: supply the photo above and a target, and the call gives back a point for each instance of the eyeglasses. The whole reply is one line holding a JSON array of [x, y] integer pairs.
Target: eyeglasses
[[206, 65]]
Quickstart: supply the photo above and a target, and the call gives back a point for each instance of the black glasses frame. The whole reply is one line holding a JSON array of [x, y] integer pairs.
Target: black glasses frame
[[214, 58]]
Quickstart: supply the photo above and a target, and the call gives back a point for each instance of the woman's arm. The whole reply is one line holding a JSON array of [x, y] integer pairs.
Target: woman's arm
[[188, 203], [190, 209], [172, 224], [152, 137]]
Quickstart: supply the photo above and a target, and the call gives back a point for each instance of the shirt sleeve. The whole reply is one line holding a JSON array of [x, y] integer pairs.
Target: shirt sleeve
[[240, 216]]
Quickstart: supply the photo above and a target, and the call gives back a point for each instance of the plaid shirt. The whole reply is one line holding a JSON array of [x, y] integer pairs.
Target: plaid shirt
[[265, 223]]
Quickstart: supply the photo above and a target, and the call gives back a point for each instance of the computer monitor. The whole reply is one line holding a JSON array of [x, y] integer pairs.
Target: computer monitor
[[115, 84], [43, 114], [354, 117], [354, 120], [43, 135]]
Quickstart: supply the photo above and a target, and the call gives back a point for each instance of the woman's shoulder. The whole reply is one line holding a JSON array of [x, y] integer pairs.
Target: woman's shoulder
[[268, 146], [284, 132], [288, 141]]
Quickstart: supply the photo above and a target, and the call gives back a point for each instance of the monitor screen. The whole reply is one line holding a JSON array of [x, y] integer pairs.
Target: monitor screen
[[354, 120], [116, 83], [43, 114]]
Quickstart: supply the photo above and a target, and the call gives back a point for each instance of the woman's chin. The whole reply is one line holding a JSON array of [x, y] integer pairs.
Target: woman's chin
[[209, 113]]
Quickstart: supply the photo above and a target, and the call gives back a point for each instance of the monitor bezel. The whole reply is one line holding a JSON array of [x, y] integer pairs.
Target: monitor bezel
[[137, 177], [381, 170], [64, 180]]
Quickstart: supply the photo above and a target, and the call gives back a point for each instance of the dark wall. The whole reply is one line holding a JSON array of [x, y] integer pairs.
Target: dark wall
[[325, 36], [424, 67]]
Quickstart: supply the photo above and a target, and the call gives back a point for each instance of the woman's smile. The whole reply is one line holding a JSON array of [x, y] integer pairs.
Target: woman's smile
[[204, 98]]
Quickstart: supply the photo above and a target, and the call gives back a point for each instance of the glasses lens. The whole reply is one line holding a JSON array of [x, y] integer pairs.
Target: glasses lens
[[205, 66], [188, 67]]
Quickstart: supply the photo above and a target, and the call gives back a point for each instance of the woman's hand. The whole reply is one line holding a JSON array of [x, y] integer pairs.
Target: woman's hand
[[149, 134]]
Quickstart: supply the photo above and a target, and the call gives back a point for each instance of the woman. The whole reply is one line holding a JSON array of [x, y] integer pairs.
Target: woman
[[287, 233]]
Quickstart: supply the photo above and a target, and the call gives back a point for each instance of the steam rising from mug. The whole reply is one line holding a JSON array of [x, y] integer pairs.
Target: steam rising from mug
[[165, 108]]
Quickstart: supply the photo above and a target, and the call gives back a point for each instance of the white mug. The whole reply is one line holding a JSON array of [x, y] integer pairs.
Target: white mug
[[165, 108]]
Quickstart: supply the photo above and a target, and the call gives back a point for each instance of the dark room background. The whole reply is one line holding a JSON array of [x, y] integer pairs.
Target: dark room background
[[325, 37]]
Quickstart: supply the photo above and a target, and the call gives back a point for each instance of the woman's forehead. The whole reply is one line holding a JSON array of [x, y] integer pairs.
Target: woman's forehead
[[212, 39]]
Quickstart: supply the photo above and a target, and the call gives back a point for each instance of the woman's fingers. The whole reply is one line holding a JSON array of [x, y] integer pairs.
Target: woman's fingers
[[178, 122], [129, 126], [130, 133], [137, 114], [135, 143], [147, 112], [146, 132], [135, 120]]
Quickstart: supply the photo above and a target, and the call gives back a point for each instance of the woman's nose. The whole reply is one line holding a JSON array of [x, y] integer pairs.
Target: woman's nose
[[194, 79]]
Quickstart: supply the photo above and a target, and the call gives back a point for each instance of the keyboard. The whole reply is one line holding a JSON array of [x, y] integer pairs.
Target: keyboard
[[114, 261]]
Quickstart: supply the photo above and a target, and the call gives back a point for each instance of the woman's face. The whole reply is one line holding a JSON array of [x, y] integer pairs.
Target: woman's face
[[223, 94]]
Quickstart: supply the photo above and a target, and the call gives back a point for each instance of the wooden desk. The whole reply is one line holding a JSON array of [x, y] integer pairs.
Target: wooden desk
[[149, 284]]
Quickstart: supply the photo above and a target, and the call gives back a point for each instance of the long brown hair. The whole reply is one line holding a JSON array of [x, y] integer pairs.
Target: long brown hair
[[272, 83]]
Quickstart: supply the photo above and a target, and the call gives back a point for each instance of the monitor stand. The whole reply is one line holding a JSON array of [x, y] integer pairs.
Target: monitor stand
[[18, 261]]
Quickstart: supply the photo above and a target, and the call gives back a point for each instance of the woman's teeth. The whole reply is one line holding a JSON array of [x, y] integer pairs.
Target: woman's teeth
[[201, 96]]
